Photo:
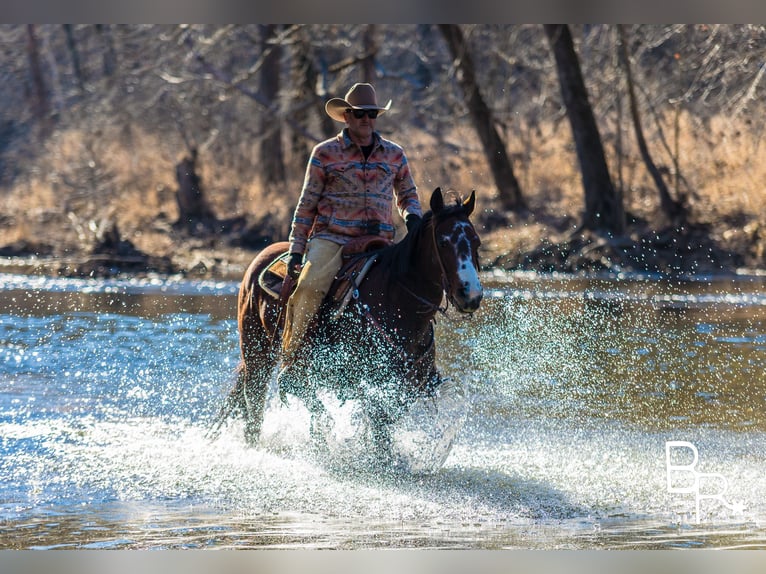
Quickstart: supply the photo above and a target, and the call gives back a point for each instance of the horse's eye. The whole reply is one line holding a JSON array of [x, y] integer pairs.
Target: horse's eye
[[442, 242]]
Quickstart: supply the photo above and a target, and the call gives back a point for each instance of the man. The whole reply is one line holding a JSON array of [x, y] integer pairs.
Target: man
[[350, 184]]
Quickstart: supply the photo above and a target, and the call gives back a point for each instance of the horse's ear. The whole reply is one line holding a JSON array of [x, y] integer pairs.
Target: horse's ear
[[470, 203], [437, 200]]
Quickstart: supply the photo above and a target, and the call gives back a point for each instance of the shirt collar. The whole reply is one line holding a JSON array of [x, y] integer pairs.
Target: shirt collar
[[348, 142]]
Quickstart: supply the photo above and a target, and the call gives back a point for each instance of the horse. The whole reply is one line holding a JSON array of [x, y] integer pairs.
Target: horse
[[380, 349]]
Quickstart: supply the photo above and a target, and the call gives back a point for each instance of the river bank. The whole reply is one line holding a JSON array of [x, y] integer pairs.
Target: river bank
[[684, 251]]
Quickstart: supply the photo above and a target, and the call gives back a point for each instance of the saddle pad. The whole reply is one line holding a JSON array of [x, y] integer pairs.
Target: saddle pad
[[271, 278]]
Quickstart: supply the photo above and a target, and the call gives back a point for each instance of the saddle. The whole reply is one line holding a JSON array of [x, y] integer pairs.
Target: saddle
[[358, 256]]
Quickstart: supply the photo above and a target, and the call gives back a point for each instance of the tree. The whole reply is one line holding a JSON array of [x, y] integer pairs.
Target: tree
[[370, 48], [193, 208], [673, 210], [494, 148], [603, 204], [109, 54], [74, 55], [40, 95], [272, 158], [309, 105]]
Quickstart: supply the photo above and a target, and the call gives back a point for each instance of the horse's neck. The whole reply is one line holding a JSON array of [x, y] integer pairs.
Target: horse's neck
[[418, 289], [424, 275]]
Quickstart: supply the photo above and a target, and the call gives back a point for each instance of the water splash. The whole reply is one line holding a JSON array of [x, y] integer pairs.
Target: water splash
[[568, 402], [421, 439]]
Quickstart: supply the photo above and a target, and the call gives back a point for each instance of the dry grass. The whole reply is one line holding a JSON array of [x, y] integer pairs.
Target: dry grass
[[123, 173]]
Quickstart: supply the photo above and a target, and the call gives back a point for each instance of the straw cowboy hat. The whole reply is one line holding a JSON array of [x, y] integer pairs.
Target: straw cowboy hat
[[359, 97]]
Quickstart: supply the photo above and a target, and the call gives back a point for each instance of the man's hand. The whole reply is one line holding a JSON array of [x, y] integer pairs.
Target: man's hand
[[411, 221], [294, 265]]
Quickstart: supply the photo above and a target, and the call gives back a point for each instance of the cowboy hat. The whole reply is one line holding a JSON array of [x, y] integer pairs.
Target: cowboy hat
[[359, 97]]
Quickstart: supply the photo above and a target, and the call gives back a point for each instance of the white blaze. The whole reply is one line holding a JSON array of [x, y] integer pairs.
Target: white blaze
[[466, 272]]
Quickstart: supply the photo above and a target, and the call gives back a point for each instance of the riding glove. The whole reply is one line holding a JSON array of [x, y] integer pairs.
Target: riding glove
[[294, 265], [411, 221]]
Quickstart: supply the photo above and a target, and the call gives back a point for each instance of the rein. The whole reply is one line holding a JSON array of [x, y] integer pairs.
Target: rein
[[431, 307], [446, 286]]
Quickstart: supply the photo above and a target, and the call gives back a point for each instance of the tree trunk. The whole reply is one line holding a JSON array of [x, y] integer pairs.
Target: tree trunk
[[109, 56], [304, 81], [672, 209], [74, 55], [603, 204], [193, 208], [494, 148], [40, 96], [272, 162], [370, 48]]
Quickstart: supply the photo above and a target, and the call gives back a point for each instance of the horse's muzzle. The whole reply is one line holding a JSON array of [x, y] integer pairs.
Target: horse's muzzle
[[468, 304]]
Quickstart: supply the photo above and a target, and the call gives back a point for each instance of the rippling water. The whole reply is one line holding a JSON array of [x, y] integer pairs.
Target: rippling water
[[574, 386]]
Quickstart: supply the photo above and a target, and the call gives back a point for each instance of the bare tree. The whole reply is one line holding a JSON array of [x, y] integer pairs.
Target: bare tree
[[494, 148], [74, 55], [672, 209], [370, 47], [193, 208], [109, 54], [40, 95], [603, 204], [304, 81], [271, 155], [706, 78]]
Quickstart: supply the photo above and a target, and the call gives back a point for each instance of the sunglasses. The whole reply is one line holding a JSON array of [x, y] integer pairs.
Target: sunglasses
[[359, 114]]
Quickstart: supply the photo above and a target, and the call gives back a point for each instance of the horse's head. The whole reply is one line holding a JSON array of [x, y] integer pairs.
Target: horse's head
[[457, 243]]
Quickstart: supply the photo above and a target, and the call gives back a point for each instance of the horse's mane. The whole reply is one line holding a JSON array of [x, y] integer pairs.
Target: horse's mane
[[398, 258]]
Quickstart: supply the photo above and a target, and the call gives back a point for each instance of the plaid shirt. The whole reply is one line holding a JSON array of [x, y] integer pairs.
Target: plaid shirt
[[344, 196]]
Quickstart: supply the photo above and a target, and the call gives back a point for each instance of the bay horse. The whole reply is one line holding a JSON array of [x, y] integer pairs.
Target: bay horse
[[380, 350]]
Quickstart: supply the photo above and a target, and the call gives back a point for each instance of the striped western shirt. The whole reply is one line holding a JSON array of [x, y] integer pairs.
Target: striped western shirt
[[345, 196]]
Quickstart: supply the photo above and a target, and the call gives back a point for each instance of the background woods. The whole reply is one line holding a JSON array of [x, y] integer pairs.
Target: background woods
[[590, 147]]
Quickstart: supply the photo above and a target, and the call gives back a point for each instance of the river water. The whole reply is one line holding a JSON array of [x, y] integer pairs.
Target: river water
[[575, 390]]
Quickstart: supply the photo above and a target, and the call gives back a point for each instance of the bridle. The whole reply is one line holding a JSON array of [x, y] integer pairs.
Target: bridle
[[445, 283]]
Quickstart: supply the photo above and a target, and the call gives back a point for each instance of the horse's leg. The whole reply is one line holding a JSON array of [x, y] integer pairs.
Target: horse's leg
[[248, 397], [257, 320], [259, 358], [257, 349], [321, 422], [304, 387], [380, 435], [255, 374]]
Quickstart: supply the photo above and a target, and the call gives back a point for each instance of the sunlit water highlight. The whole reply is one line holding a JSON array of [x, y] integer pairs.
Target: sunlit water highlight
[[572, 388]]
